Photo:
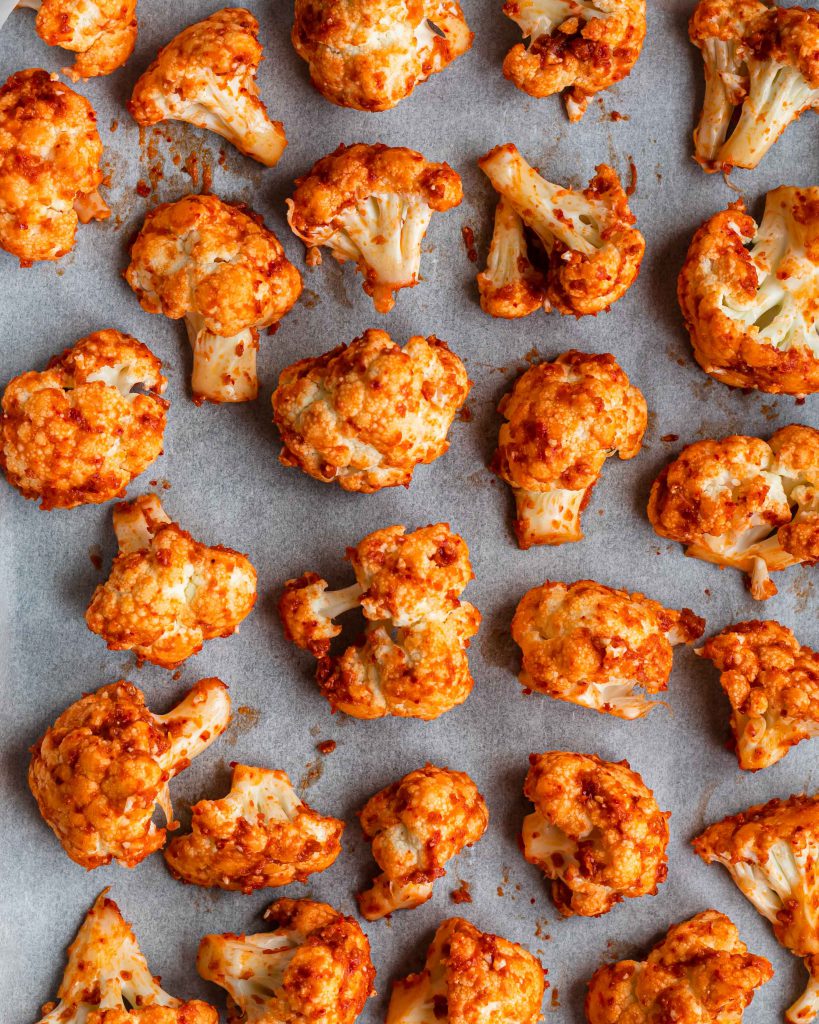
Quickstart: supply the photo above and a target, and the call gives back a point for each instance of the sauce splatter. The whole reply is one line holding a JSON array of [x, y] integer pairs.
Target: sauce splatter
[[469, 242], [462, 894], [669, 438], [95, 554], [631, 188], [326, 747]]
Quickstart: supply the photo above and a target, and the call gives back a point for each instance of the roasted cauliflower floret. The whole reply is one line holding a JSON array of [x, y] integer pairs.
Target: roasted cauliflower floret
[[592, 250], [370, 55], [753, 314], [596, 831], [101, 770], [510, 286], [772, 853], [260, 835], [206, 76], [470, 976], [563, 420], [167, 593], [365, 415], [593, 645], [744, 502], [50, 153], [77, 433], [411, 660], [372, 204], [580, 46], [220, 268], [700, 972]]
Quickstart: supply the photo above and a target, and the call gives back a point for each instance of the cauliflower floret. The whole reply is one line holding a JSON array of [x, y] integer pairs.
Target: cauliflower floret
[[260, 835], [753, 314], [772, 853], [367, 414], [167, 593], [77, 433], [563, 420], [700, 972], [411, 661], [511, 286], [101, 770], [596, 831], [470, 976], [415, 826], [593, 645], [206, 76], [314, 965], [218, 266], [370, 55], [744, 502], [581, 46], [592, 251], [50, 153], [372, 204]]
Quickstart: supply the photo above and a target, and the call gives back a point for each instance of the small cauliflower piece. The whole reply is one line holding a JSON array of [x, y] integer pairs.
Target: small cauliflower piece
[[596, 831], [78, 433], [365, 415], [592, 645], [206, 76], [103, 767], [700, 972], [563, 420], [167, 593], [592, 251], [370, 54], [50, 153], [411, 661], [372, 204], [510, 286]]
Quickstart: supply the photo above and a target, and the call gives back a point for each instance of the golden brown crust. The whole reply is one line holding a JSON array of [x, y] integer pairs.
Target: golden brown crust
[[102, 34]]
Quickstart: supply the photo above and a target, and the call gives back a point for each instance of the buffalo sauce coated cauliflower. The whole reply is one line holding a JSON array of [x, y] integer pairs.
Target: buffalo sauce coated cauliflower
[[372, 204], [744, 502], [167, 593], [260, 835], [581, 46], [563, 420], [101, 770], [370, 54], [219, 267], [50, 153], [411, 661], [367, 414], [77, 433], [596, 831], [701, 973], [592, 645], [207, 76], [592, 252]]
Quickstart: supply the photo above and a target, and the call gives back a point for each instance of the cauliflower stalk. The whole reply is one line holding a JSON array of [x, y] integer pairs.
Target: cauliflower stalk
[[510, 286]]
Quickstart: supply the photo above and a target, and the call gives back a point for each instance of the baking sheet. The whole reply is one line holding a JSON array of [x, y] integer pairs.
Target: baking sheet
[[226, 486]]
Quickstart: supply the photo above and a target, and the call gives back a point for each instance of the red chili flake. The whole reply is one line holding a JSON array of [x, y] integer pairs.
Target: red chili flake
[[555, 998], [176, 676], [143, 188], [462, 894], [326, 746], [95, 554], [469, 241], [615, 115], [114, 125], [670, 437], [632, 185]]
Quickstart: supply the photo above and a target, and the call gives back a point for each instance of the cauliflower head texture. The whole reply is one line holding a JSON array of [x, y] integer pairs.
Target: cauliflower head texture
[[372, 205]]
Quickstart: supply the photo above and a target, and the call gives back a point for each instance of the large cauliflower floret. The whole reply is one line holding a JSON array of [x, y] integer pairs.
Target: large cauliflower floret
[[593, 645], [700, 973], [370, 54], [77, 433], [411, 661], [219, 267], [365, 415], [772, 853], [50, 152], [596, 831], [206, 76], [470, 976], [753, 314], [744, 502], [167, 593], [372, 205], [260, 835], [563, 420], [415, 826], [581, 46], [101, 770], [592, 250]]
